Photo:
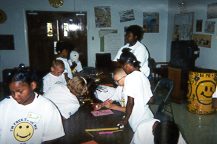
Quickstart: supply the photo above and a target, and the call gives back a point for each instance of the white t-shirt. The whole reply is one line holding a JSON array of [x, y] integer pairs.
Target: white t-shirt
[[30, 124], [141, 53], [144, 135], [61, 96], [137, 86], [104, 93], [49, 80], [67, 67]]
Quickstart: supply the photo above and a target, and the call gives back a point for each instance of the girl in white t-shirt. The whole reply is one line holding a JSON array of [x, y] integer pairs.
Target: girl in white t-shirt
[[65, 97], [27, 117], [137, 88]]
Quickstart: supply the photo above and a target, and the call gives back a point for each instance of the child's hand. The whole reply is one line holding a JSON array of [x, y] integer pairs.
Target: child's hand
[[107, 103], [123, 122], [97, 106]]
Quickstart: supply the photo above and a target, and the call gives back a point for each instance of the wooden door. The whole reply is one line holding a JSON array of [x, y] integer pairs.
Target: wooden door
[[46, 28]]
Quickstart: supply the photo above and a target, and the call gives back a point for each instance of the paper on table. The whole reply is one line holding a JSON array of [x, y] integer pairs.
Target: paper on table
[[102, 112]]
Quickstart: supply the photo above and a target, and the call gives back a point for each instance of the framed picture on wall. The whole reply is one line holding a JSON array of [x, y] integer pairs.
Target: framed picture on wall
[[102, 16], [127, 15], [202, 40], [210, 27], [212, 11], [183, 26], [199, 25], [6, 42], [151, 22]]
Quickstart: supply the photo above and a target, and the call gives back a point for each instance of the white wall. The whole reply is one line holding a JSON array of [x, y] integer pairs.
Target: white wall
[[154, 41], [16, 25], [207, 58]]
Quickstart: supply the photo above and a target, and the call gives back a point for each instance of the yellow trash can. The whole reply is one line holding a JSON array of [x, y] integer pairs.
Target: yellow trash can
[[201, 86]]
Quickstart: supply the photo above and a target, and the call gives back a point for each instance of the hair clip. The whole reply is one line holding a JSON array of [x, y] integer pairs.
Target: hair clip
[[85, 81]]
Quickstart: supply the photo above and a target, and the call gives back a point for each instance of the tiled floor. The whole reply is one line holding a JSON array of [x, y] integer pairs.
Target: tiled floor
[[196, 129]]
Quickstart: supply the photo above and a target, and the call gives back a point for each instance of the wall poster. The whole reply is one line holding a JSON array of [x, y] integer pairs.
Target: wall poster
[[102, 16], [183, 26], [212, 11], [210, 27], [127, 15], [151, 22], [202, 40]]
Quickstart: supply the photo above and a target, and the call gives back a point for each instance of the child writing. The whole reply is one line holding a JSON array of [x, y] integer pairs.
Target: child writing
[[116, 94], [63, 49], [27, 117], [54, 76], [65, 97], [137, 89]]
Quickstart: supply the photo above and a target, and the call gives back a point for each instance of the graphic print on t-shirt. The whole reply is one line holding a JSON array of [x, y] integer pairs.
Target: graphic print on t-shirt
[[23, 129]]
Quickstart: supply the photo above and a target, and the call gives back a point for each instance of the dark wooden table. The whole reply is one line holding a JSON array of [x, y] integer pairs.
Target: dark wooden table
[[83, 119]]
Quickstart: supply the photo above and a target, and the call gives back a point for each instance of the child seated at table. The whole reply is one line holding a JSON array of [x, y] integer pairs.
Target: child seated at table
[[65, 97], [54, 76], [137, 89], [27, 117], [110, 94]]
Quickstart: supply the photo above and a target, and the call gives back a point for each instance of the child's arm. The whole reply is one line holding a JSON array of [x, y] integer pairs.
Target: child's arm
[[115, 107], [129, 108]]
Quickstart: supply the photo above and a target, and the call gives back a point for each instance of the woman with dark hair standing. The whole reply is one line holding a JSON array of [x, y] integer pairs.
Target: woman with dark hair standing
[[134, 35]]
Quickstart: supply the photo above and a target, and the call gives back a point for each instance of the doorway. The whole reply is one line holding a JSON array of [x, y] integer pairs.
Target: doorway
[[46, 28]]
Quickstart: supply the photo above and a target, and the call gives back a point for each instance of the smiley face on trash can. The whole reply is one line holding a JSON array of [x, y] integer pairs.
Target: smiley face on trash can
[[204, 91]]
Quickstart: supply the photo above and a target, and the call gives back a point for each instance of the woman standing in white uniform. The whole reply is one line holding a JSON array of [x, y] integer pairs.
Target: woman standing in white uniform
[[134, 35]]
